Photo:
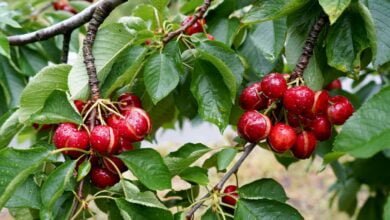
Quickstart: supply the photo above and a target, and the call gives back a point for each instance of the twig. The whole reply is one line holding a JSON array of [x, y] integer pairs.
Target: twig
[[221, 183], [198, 15], [65, 47], [78, 198], [62, 27], [309, 47]]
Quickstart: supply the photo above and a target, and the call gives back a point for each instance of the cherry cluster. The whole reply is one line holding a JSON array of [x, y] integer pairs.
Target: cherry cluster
[[116, 129], [299, 117], [197, 27]]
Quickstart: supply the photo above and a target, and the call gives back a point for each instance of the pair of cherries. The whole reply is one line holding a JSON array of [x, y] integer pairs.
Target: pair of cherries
[[301, 117], [131, 124]]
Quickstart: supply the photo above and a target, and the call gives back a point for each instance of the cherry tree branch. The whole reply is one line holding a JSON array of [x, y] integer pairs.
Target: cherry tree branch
[[309, 47], [198, 15], [62, 27], [248, 149], [65, 47]]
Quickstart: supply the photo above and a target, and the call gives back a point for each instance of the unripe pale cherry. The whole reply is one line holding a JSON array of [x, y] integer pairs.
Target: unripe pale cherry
[[321, 128], [298, 100], [104, 139], [321, 101], [127, 101], [102, 178], [230, 199], [254, 126], [67, 135], [252, 98], [135, 125], [282, 137], [304, 145], [340, 110], [197, 27], [335, 84], [274, 85], [118, 163]]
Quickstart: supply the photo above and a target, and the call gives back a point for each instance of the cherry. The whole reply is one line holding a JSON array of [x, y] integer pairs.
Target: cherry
[[274, 85], [252, 98], [293, 119], [282, 137], [59, 5], [197, 27], [304, 145], [135, 125], [67, 135], [339, 110], [102, 178], [321, 128], [321, 100], [230, 199], [125, 145], [210, 37], [298, 100], [118, 163], [128, 100], [113, 121], [253, 126], [79, 105], [148, 41], [335, 84], [104, 139], [70, 9]]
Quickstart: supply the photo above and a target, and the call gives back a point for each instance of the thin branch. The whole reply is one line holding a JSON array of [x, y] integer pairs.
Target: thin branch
[[62, 27], [309, 47], [80, 196], [221, 183], [65, 47], [198, 15]]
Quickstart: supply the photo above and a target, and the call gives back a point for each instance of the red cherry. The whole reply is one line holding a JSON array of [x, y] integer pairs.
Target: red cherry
[[253, 126], [59, 5], [274, 85], [68, 136], [230, 199], [335, 84], [282, 137], [102, 178], [340, 110], [135, 125], [79, 105], [104, 139], [304, 145], [321, 100], [113, 121], [148, 41], [69, 9], [197, 27], [118, 163], [298, 99], [252, 98], [321, 128], [293, 119], [125, 145], [210, 37], [128, 100]]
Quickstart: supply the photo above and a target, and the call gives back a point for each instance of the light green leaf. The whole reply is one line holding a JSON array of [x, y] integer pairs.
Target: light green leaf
[[40, 87], [149, 14], [10, 125], [225, 157], [83, 170], [196, 175], [160, 76], [263, 189], [334, 8], [368, 130], [148, 166], [26, 195], [4, 46], [133, 211], [224, 29], [213, 97], [11, 81], [160, 4], [211, 215], [16, 166], [146, 198]]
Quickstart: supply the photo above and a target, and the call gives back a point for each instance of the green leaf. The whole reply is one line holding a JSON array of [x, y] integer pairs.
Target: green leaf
[[134, 195], [348, 196], [125, 69], [334, 8], [160, 4], [57, 109], [186, 155], [263, 189], [226, 61], [148, 166], [4, 46], [264, 209], [11, 81], [40, 87], [110, 41], [264, 10], [149, 14], [196, 175], [83, 170], [24, 213], [16, 166], [213, 97], [380, 9], [139, 212], [56, 182], [9, 127], [161, 76], [27, 195], [370, 210], [224, 29], [386, 213], [211, 215], [368, 130], [31, 61], [225, 157]]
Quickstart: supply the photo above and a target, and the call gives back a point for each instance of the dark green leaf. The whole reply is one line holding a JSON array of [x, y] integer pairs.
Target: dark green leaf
[[210, 215], [139, 212], [11, 81], [26, 195], [9, 126], [31, 61], [348, 196], [196, 175], [386, 213], [263, 189], [224, 29], [370, 210], [334, 8]]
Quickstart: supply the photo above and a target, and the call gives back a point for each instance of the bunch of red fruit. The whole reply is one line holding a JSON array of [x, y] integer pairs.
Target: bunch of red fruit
[[107, 138], [197, 27], [300, 116]]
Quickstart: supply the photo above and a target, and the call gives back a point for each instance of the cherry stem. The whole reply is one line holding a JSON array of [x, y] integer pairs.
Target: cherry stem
[[65, 46], [198, 15], [115, 167], [69, 149], [248, 149], [308, 47]]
